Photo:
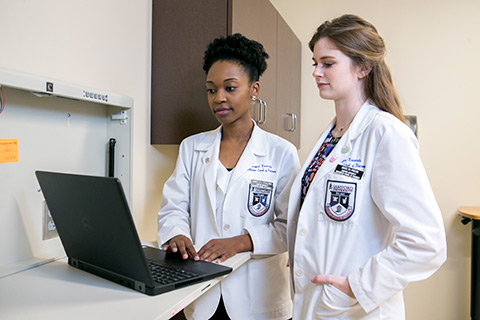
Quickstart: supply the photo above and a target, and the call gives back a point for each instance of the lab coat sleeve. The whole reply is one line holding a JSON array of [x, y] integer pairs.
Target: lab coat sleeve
[[271, 238], [173, 217], [401, 191]]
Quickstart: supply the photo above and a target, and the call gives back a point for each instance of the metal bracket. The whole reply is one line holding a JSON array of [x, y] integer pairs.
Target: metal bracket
[[122, 116]]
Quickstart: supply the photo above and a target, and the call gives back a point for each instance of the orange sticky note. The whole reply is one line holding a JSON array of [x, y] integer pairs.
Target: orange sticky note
[[8, 150]]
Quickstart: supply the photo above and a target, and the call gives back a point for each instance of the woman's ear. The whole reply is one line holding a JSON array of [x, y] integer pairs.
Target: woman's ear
[[255, 90], [363, 72]]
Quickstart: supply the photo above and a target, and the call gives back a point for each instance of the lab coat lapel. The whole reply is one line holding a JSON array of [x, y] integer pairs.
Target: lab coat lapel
[[211, 162], [250, 154], [361, 121]]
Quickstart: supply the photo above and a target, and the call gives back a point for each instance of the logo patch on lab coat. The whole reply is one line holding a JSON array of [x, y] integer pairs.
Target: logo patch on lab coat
[[259, 197], [340, 200]]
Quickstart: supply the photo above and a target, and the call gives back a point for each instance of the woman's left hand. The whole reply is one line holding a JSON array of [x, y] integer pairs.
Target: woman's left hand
[[339, 282]]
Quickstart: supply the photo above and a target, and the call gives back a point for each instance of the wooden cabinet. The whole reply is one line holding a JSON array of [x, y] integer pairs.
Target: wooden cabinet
[[280, 84], [289, 53], [181, 31]]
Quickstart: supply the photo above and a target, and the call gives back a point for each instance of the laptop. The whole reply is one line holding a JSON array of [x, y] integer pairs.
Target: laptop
[[97, 231]]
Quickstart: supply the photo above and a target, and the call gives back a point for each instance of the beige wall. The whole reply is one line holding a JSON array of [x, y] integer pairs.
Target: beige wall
[[106, 45]]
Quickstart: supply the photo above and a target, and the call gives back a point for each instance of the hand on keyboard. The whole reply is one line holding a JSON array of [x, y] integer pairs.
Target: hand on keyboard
[[183, 245], [222, 249]]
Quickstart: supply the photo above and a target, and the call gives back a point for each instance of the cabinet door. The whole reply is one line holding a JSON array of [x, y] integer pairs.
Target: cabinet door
[[257, 20], [288, 83], [181, 31]]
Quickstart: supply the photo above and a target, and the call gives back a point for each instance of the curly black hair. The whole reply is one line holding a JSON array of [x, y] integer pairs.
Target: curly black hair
[[250, 54]]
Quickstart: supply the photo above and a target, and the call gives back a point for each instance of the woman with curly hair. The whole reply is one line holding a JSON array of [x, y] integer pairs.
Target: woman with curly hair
[[229, 192]]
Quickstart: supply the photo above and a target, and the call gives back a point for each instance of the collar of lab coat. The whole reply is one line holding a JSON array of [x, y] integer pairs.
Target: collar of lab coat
[[254, 144], [360, 123], [210, 145], [363, 118]]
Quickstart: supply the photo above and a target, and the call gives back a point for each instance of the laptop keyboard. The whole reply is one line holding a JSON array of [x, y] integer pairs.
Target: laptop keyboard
[[166, 275]]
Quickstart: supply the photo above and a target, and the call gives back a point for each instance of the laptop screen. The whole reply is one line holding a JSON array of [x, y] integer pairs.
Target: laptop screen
[[94, 222]]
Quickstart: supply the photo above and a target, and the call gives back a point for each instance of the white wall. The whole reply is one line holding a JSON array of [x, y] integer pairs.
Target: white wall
[[100, 44], [105, 44]]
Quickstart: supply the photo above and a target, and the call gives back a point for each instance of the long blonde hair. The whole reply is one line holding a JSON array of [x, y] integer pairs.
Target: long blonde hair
[[359, 40]]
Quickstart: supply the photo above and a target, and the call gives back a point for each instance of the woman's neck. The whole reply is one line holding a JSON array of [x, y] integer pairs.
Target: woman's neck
[[235, 138], [346, 110], [237, 131]]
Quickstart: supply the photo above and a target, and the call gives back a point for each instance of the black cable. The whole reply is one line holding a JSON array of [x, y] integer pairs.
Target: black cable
[[2, 100], [111, 157]]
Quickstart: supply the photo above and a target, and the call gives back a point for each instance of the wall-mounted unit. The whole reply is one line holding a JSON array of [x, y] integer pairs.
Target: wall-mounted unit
[[51, 125]]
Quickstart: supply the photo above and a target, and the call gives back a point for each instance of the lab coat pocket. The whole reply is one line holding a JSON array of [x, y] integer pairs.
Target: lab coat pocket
[[268, 289], [333, 302]]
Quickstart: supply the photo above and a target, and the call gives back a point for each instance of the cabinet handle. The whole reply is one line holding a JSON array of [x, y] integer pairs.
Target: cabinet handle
[[290, 122]]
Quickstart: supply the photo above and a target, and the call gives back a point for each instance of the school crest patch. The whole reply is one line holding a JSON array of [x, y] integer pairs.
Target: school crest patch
[[340, 200], [259, 197]]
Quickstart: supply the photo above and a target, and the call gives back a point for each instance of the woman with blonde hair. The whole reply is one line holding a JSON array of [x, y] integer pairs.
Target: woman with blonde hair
[[363, 221]]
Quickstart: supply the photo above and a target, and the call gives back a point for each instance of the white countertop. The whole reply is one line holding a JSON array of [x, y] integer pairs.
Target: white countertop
[[58, 291]]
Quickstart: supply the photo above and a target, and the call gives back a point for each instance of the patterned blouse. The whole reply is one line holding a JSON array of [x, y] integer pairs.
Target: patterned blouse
[[325, 149]]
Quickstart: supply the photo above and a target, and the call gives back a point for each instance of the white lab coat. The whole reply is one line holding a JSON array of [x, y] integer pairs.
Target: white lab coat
[[260, 288], [388, 232]]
